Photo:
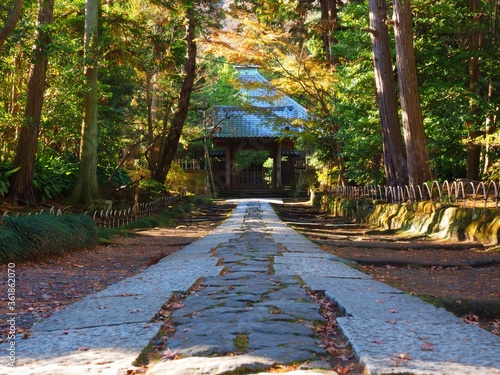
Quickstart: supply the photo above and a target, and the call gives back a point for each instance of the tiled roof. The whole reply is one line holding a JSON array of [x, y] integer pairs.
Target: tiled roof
[[262, 123], [268, 114]]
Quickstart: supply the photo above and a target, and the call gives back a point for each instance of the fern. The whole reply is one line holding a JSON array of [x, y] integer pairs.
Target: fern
[[6, 171]]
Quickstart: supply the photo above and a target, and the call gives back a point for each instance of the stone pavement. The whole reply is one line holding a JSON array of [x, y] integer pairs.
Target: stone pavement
[[253, 269]]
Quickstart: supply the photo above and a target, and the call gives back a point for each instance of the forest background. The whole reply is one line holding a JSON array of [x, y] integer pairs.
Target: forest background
[[95, 95]]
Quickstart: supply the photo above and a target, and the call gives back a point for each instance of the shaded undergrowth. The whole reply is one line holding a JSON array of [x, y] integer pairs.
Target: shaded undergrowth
[[33, 238], [36, 238]]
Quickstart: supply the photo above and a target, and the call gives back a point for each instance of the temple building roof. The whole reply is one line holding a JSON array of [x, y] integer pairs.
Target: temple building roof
[[266, 113]]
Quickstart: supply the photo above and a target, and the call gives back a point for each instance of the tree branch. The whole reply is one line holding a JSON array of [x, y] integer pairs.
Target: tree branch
[[10, 24]]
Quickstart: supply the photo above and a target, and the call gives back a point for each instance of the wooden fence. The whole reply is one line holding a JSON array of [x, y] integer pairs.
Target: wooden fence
[[188, 165], [115, 218], [462, 192]]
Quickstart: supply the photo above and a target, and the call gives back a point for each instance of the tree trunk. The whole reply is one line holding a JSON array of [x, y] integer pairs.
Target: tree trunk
[[329, 23], [175, 131], [152, 153], [22, 181], [473, 149], [14, 16], [87, 188], [489, 129], [394, 159], [413, 128], [13, 105], [342, 179], [492, 118]]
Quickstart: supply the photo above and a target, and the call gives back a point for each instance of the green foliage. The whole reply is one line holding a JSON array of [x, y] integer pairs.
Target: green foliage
[[150, 189], [39, 237], [142, 46], [494, 171], [176, 178], [5, 172], [54, 177], [308, 180], [152, 185], [120, 177], [244, 159], [218, 85], [119, 85]]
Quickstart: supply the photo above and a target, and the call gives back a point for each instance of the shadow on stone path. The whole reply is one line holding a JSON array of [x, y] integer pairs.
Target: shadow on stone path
[[248, 310]]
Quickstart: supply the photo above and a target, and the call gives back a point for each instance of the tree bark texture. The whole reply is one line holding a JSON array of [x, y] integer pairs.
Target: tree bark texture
[[473, 149], [490, 129], [179, 118], [396, 171], [329, 23], [10, 24], [21, 186], [413, 127], [87, 188]]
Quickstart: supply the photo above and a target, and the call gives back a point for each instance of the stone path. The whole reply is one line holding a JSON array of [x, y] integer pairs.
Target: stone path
[[253, 268]]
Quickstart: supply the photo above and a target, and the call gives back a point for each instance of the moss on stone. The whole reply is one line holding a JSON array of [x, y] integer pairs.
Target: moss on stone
[[442, 221]]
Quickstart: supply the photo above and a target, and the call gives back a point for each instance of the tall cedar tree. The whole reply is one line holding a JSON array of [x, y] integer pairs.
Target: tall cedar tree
[[392, 142], [179, 118], [329, 22], [86, 188], [473, 149], [413, 127], [21, 186]]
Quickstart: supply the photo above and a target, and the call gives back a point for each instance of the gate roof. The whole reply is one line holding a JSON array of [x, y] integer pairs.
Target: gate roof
[[267, 113]]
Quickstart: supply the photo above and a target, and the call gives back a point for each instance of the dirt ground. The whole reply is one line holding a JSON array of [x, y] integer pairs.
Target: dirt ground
[[43, 288], [462, 277], [470, 292]]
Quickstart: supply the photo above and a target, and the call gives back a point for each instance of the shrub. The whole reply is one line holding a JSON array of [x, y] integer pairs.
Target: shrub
[[53, 177], [176, 177], [38, 237], [120, 178], [5, 171]]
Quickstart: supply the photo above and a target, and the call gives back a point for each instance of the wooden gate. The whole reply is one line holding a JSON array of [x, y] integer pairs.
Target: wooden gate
[[252, 177]]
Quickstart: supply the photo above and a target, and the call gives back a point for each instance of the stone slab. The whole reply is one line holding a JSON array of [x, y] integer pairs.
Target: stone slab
[[302, 310], [203, 365], [101, 350], [104, 311], [163, 282], [336, 285], [318, 267], [453, 348], [390, 307]]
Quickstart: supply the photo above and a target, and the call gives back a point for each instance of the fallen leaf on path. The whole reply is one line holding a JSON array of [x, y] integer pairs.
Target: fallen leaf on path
[[342, 370], [427, 346], [169, 354], [103, 362], [496, 327], [176, 305], [281, 369], [405, 356], [137, 370], [471, 319]]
